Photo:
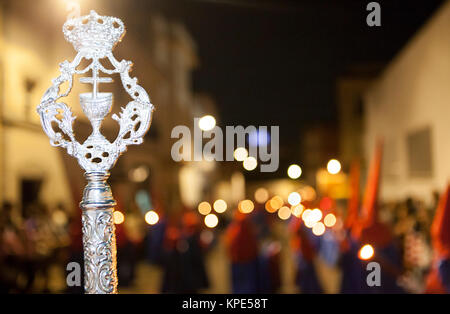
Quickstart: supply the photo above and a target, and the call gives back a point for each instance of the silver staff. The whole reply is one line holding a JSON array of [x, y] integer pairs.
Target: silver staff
[[94, 37]]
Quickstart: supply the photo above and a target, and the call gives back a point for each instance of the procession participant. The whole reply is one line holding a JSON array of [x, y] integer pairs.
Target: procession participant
[[328, 243], [438, 280], [349, 262], [183, 258], [242, 247], [305, 252], [371, 231]]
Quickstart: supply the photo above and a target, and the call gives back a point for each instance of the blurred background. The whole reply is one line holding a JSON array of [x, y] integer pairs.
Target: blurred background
[[363, 117]]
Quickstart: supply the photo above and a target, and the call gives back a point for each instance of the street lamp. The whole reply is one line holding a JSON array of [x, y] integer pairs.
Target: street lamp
[[94, 37]]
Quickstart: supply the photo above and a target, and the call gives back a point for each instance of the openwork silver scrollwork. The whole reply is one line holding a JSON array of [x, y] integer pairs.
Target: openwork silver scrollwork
[[94, 37]]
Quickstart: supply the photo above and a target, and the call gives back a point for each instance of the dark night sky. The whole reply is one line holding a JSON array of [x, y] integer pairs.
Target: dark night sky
[[276, 62]]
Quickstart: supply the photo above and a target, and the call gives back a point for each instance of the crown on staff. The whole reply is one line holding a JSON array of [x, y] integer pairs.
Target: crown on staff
[[94, 34]]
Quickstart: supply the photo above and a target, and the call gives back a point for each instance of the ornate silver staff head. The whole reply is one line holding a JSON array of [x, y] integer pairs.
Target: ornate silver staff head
[[94, 37]]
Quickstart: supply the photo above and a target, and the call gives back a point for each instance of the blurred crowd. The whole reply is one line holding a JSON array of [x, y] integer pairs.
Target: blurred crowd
[[410, 242], [32, 241]]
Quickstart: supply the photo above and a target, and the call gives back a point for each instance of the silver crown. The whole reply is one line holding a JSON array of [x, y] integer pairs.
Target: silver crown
[[94, 34]]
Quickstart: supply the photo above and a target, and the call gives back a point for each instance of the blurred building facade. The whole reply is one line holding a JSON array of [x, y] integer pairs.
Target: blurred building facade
[[408, 106], [350, 90], [319, 144]]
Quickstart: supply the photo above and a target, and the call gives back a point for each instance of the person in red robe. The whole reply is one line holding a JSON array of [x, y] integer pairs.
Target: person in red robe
[[242, 245], [371, 231], [438, 280]]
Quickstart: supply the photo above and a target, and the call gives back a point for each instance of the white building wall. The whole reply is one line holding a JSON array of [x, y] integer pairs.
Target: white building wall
[[413, 93]]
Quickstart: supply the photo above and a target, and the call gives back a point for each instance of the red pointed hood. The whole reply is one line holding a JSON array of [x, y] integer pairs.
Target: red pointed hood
[[370, 201], [353, 202], [369, 229], [440, 229]]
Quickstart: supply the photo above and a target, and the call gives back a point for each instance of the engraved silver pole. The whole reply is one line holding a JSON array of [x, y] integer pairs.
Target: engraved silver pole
[[94, 37], [99, 239]]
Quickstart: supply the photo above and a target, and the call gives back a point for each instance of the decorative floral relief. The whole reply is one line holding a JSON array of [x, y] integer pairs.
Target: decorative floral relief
[[99, 242]]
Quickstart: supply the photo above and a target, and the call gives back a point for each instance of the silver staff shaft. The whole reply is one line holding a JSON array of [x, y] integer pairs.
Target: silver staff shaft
[[99, 239]]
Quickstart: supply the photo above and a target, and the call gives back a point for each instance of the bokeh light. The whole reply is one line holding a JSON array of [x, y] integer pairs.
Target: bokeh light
[[308, 193], [276, 202], [246, 206], [269, 207], [294, 198], [118, 217], [151, 217], [139, 174], [220, 206], [366, 252], [297, 210], [211, 220], [250, 163], [207, 123], [318, 228], [294, 171], [316, 215], [261, 195], [329, 220], [204, 208], [306, 214], [334, 166], [284, 213], [240, 154]]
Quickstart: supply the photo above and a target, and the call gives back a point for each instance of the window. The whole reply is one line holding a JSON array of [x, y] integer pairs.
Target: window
[[419, 153]]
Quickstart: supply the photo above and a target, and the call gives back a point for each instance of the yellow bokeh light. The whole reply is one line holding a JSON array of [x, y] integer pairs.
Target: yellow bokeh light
[[261, 195], [246, 206], [329, 220], [269, 208], [284, 213], [334, 166], [366, 252], [204, 208], [240, 154], [207, 123], [294, 171], [151, 217], [294, 198], [118, 217], [308, 193], [211, 220], [276, 202], [297, 210], [250, 163], [318, 228], [220, 206]]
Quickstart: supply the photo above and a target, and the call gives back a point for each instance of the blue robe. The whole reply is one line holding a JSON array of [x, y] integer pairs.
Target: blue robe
[[244, 276], [444, 273]]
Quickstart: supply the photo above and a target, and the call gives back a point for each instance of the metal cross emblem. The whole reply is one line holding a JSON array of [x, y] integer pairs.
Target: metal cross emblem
[[95, 80]]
